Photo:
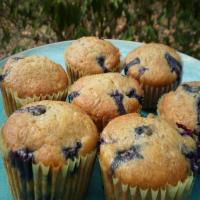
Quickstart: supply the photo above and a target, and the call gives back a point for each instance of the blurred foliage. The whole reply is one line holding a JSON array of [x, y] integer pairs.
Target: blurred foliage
[[24, 24]]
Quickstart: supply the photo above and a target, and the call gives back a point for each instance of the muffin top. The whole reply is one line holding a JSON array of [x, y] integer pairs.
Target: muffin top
[[105, 96], [145, 152], [182, 107], [154, 64], [34, 75], [92, 55], [50, 131]]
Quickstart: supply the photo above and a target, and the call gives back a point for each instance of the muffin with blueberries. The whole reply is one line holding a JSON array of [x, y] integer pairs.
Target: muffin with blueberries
[[182, 108], [106, 96], [91, 55], [145, 158], [48, 149], [33, 78], [158, 69]]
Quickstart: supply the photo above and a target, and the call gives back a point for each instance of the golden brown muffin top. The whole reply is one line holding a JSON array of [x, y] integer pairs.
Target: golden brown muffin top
[[106, 96], [34, 75], [154, 64], [52, 131], [182, 107], [145, 152], [92, 55]]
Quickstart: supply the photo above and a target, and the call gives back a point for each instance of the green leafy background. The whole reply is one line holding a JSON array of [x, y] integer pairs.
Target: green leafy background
[[26, 24]]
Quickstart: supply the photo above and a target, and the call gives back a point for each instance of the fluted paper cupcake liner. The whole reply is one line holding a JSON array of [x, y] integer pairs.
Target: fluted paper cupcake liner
[[36, 181], [152, 94], [73, 73], [116, 190], [12, 101]]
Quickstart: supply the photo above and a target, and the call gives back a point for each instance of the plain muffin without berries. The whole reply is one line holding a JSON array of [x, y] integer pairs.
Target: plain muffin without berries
[[48, 149], [31, 78], [182, 108], [106, 96], [91, 55], [158, 69], [145, 158]]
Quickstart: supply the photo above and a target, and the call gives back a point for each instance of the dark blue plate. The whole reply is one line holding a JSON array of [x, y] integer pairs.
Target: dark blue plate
[[191, 71]]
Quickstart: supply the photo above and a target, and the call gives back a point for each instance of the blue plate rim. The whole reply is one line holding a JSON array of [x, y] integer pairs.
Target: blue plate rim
[[69, 41]]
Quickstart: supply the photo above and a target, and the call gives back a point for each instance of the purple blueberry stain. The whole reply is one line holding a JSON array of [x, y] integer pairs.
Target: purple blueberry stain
[[142, 70], [187, 152], [34, 110], [124, 156], [175, 65], [101, 62], [71, 152], [132, 94], [2, 77], [193, 156], [130, 64], [73, 95], [198, 112], [118, 98], [103, 141], [191, 88], [184, 131], [22, 160], [143, 130]]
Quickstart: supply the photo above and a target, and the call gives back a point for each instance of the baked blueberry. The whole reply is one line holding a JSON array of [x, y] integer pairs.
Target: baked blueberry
[[101, 62], [124, 156], [187, 152], [142, 70], [144, 130], [130, 64], [118, 98], [132, 94], [184, 130], [193, 156], [175, 66], [34, 110], [2, 77], [22, 160], [71, 152], [73, 95]]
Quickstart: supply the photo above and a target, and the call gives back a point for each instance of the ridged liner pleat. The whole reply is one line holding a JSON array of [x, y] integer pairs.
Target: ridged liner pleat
[[12, 101], [152, 94], [116, 190], [67, 182]]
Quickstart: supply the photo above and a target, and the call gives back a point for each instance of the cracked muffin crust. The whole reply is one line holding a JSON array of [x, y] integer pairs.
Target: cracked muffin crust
[[91, 55], [145, 152], [157, 67], [50, 132], [34, 75], [29, 79], [106, 96], [182, 107]]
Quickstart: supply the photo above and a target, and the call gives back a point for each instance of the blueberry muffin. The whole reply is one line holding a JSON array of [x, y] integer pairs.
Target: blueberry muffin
[[48, 149], [157, 67], [106, 96], [182, 108], [145, 158], [27, 79], [91, 55]]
